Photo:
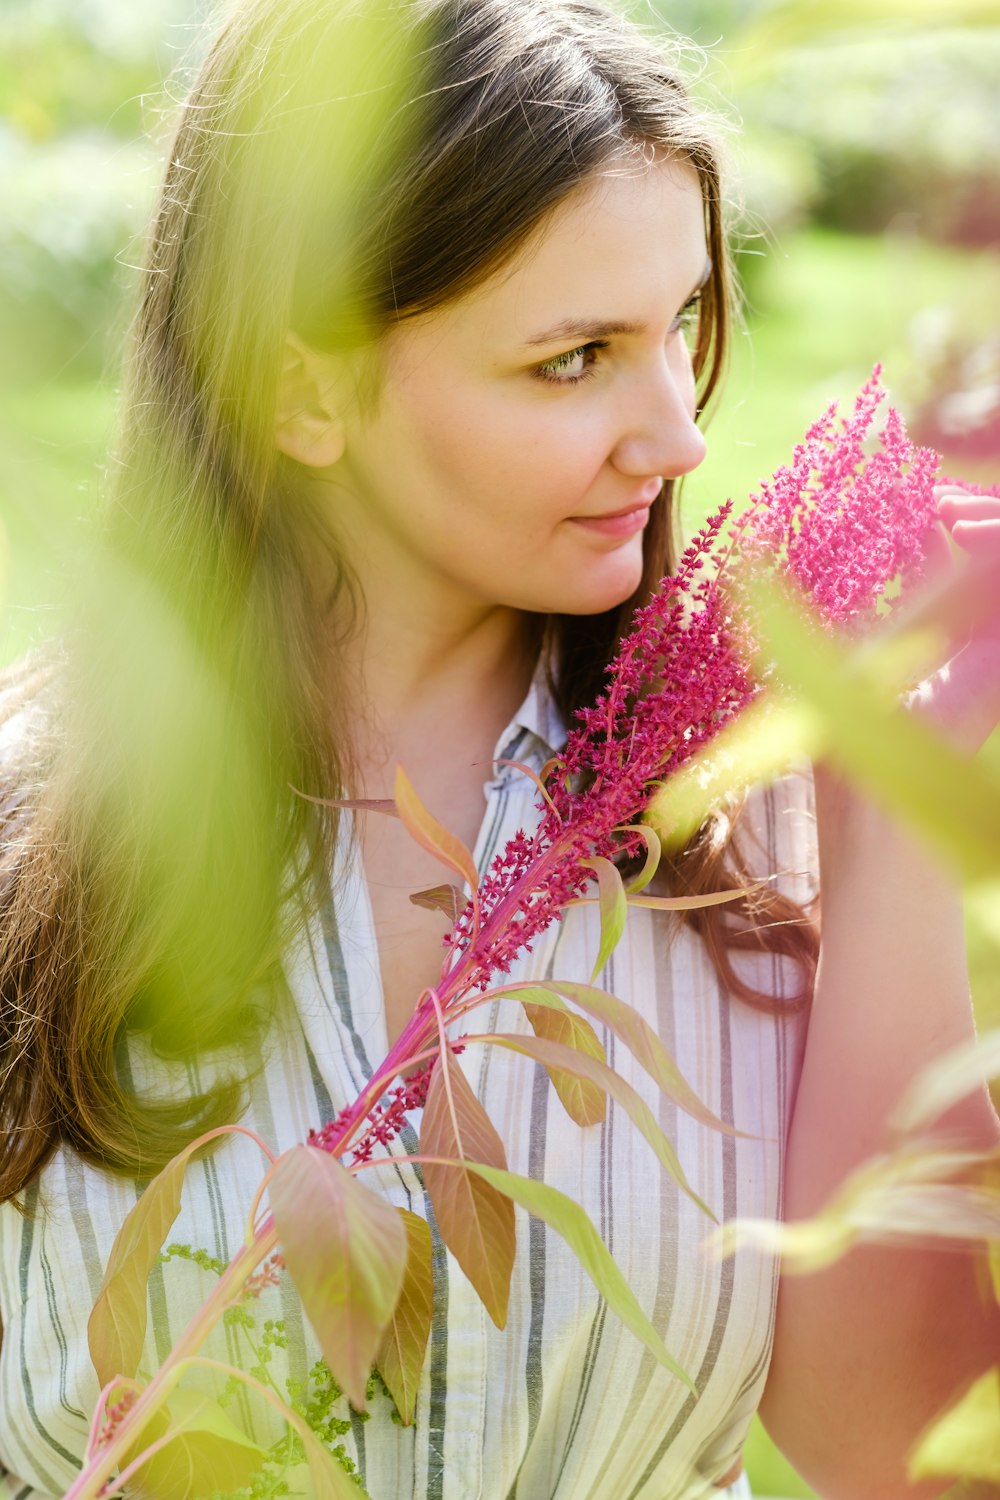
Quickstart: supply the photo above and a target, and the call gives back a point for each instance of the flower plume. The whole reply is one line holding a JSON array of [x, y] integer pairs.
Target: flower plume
[[842, 523]]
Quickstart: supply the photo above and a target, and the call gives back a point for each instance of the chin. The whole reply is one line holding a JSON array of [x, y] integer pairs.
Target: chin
[[597, 595]]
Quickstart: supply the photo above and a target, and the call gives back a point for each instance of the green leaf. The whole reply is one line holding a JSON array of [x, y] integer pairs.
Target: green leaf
[[680, 903], [330, 1481], [966, 1440], [431, 835], [345, 1249], [209, 1452], [400, 1356], [694, 903], [569, 1220], [654, 849], [583, 1101], [476, 1223], [614, 908], [636, 1033], [553, 1055]]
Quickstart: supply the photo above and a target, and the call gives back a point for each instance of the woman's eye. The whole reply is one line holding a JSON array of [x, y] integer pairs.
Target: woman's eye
[[686, 320], [573, 366]]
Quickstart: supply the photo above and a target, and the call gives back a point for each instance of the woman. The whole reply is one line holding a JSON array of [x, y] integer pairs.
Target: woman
[[434, 296]]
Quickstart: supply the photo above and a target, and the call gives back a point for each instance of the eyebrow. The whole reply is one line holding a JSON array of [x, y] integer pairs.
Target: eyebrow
[[585, 329]]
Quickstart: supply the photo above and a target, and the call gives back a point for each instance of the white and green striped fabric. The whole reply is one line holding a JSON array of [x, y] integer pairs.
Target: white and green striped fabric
[[564, 1404]]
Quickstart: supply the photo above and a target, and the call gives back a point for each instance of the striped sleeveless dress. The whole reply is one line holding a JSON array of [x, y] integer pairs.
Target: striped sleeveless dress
[[564, 1404]]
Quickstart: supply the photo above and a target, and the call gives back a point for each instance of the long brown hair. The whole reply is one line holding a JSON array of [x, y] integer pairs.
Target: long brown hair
[[338, 165]]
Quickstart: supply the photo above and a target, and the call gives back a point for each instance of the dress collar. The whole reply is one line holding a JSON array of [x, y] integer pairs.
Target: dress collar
[[539, 719]]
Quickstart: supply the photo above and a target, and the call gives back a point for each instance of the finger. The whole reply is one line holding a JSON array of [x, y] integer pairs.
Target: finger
[[961, 603], [937, 554], [953, 508], [962, 699], [979, 537]]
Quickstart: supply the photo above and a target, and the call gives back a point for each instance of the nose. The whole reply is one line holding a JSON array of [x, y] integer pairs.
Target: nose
[[659, 435]]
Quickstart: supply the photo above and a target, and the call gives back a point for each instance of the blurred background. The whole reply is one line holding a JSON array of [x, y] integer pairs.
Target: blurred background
[[865, 144]]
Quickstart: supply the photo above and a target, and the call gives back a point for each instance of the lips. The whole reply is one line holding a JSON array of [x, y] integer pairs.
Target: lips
[[626, 521], [619, 523], [642, 502]]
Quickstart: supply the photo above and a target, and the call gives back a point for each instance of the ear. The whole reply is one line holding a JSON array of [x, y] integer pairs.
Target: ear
[[308, 423]]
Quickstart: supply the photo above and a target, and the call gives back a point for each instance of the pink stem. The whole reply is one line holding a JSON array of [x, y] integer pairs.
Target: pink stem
[[91, 1482]]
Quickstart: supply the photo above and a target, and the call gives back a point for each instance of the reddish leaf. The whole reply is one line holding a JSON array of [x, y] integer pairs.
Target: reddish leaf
[[345, 1249], [476, 1222], [446, 898], [430, 834], [356, 804], [639, 1037], [400, 1356], [582, 1099], [535, 776], [116, 1330]]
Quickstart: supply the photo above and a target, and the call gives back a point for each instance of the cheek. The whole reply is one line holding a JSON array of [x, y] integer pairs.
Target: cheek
[[505, 459]]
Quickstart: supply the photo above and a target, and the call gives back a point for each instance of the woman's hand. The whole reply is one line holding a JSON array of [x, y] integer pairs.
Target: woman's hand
[[962, 595]]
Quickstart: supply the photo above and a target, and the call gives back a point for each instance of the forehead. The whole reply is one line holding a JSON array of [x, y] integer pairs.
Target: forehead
[[627, 246]]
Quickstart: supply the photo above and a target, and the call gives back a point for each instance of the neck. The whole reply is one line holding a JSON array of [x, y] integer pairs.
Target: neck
[[420, 664]]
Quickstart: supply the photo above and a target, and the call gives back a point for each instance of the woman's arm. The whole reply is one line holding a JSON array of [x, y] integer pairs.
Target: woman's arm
[[869, 1351]]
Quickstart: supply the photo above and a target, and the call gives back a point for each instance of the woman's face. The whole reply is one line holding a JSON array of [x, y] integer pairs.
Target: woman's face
[[522, 432]]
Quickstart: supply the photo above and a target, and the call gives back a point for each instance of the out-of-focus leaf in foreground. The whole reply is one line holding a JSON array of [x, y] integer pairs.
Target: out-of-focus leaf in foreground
[[913, 1197], [758, 746], [966, 1440], [208, 1454], [952, 801], [947, 1080]]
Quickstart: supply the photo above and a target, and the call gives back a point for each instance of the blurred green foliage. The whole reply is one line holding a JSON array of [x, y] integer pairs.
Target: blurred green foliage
[[869, 158], [901, 131], [81, 92]]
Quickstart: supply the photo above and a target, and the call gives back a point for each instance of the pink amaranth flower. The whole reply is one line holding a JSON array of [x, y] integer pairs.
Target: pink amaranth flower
[[841, 525]]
